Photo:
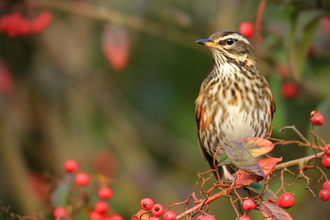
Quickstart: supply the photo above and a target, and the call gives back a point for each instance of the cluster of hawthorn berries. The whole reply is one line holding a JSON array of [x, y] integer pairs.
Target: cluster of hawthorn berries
[[101, 208], [15, 25]]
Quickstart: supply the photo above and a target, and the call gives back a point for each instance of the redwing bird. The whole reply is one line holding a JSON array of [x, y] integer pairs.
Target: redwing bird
[[235, 100]]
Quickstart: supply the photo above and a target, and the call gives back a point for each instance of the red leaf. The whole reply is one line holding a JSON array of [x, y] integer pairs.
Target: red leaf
[[116, 45], [271, 211], [245, 178]]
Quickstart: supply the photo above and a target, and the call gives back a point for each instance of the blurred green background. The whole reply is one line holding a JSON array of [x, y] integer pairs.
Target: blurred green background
[[112, 84]]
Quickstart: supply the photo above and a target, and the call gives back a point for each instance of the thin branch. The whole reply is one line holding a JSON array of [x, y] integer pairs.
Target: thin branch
[[118, 18], [261, 9], [297, 161]]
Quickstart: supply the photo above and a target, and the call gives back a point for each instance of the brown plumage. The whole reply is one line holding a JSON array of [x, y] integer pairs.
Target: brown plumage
[[235, 100]]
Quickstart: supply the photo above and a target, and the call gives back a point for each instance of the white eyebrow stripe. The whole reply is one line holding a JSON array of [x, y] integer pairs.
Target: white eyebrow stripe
[[237, 36]]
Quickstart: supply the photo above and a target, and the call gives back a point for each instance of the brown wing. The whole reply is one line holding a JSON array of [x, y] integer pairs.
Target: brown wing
[[203, 121]]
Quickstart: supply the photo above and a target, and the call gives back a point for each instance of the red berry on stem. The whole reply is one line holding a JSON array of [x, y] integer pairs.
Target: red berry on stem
[[289, 90], [209, 217], [13, 23], [82, 179], [146, 203], [59, 211], [248, 205], [246, 29], [317, 119], [201, 217], [41, 22], [24, 27], [157, 210], [101, 207], [70, 166], [155, 218], [117, 217], [96, 216], [327, 150], [169, 215], [286, 200], [105, 193], [324, 194], [326, 162], [326, 185], [244, 218]]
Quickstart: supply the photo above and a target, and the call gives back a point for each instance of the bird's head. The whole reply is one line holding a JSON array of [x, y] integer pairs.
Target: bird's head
[[229, 46]]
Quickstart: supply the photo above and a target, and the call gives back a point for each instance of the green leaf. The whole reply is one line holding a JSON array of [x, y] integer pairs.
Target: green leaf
[[255, 145], [223, 159], [60, 195], [270, 211], [258, 188], [242, 158]]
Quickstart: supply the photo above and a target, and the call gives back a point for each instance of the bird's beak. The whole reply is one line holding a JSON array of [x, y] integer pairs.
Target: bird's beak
[[206, 42]]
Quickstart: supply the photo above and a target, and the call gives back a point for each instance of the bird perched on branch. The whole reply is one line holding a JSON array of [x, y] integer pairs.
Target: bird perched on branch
[[235, 100]]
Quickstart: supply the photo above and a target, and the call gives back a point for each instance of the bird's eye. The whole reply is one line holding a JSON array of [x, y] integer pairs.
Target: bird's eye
[[230, 41]]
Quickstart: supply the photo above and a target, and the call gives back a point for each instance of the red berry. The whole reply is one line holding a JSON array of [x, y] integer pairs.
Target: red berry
[[146, 203], [326, 162], [169, 215], [96, 216], [117, 217], [248, 205], [157, 210], [13, 23], [289, 90], [82, 179], [246, 29], [155, 218], [4, 23], [105, 193], [327, 150], [209, 217], [24, 27], [286, 200], [41, 22], [201, 217], [326, 185], [317, 120], [59, 211], [324, 194], [70, 166], [244, 218], [101, 207]]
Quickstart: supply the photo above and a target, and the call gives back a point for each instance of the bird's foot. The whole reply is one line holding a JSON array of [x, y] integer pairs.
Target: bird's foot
[[227, 175]]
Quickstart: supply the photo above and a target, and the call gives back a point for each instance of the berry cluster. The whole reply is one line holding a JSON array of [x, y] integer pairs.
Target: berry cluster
[[15, 25], [156, 210], [101, 208]]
